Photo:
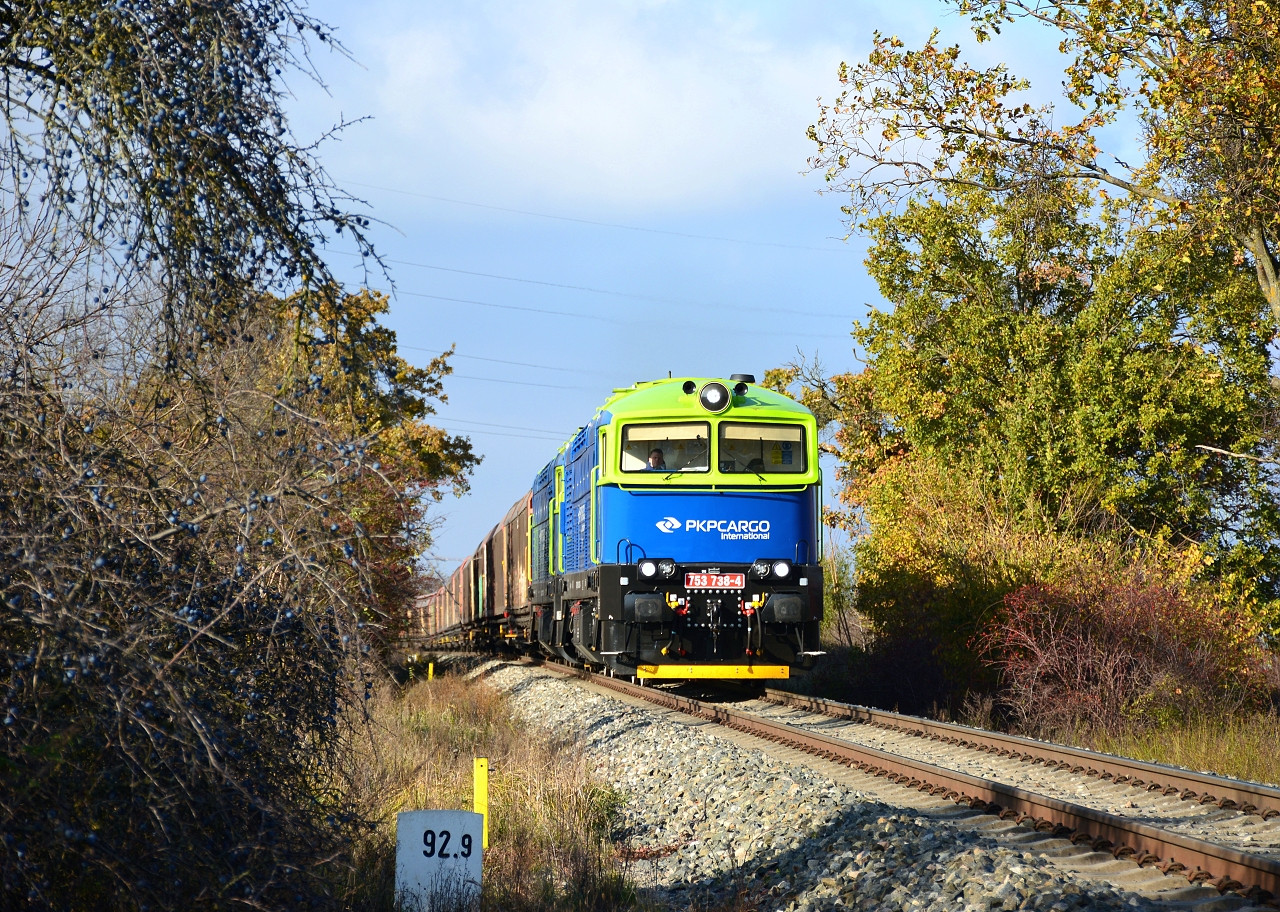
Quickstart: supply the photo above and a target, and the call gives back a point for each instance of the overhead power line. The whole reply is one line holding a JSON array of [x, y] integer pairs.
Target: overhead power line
[[472, 432], [541, 310], [732, 308], [525, 281], [607, 291], [599, 224], [505, 427], [521, 383], [550, 367]]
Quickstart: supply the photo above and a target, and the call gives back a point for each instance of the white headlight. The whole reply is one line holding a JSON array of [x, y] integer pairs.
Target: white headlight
[[714, 397], [782, 569], [647, 567]]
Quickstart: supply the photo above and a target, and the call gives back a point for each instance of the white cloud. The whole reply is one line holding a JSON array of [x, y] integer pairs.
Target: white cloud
[[629, 106], [618, 107]]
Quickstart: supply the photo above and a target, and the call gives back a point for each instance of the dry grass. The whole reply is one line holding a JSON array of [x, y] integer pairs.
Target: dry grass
[[1245, 746], [549, 817], [1241, 742]]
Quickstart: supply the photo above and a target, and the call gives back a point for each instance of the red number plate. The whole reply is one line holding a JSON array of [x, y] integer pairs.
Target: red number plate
[[715, 580]]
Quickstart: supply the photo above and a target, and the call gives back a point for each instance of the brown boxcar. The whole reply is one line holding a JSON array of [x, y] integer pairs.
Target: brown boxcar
[[515, 557], [487, 596]]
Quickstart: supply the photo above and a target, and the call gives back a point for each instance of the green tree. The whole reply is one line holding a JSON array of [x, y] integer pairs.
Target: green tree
[[1045, 379], [1061, 357], [1199, 77]]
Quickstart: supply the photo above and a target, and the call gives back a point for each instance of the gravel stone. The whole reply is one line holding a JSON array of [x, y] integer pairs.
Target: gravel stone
[[712, 823]]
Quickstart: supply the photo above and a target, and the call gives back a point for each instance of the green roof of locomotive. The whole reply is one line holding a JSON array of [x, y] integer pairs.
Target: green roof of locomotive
[[667, 398]]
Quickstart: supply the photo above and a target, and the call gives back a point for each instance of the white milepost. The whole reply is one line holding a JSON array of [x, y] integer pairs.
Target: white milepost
[[438, 855]]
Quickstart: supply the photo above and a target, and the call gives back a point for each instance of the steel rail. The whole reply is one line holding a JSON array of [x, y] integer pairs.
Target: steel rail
[[1225, 868], [1203, 788]]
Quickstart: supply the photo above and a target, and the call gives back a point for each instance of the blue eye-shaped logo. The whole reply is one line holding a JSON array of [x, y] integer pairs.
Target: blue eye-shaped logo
[[668, 524]]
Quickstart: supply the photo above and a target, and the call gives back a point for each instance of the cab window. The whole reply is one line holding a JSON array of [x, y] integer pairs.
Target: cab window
[[761, 448], [683, 447]]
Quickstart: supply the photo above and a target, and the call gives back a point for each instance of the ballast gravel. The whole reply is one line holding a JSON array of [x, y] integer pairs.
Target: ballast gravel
[[712, 824]]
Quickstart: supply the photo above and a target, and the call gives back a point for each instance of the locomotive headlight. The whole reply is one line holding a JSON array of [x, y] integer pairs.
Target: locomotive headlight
[[760, 569], [648, 568], [667, 567], [782, 569], [714, 397]]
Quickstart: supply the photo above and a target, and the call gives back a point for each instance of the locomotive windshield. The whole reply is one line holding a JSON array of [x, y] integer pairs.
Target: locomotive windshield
[[761, 448], [683, 447]]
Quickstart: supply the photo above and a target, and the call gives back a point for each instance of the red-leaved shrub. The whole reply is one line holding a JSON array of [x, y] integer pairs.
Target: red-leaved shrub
[[1119, 652]]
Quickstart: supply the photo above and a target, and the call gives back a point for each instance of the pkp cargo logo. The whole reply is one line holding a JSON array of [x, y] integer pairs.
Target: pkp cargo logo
[[668, 524], [728, 529]]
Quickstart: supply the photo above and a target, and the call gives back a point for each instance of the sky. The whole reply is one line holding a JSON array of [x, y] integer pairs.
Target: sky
[[583, 195]]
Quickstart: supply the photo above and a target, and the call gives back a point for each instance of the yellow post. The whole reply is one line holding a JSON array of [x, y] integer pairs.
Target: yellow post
[[431, 671], [481, 786]]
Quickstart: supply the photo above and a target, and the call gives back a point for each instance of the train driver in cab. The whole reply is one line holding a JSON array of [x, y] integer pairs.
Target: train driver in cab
[[656, 462]]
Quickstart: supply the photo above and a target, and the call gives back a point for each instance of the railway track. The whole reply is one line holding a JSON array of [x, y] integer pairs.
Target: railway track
[[1212, 830]]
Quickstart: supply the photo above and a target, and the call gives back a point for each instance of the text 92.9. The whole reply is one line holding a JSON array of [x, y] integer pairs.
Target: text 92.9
[[436, 845]]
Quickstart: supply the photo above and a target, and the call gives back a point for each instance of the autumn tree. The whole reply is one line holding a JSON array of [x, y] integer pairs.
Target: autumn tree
[[1198, 79], [1037, 398], [197, 573], [156, 131], [174, 658], [185, 529], [369, 394]]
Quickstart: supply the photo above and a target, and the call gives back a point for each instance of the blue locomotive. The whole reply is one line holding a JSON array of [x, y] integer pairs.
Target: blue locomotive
[[677, 535]]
